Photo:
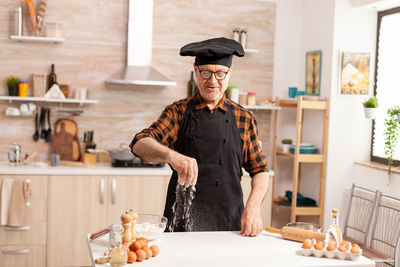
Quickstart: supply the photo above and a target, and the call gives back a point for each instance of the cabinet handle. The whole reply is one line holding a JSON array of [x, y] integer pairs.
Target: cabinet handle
[[102, 191], [113, 190], [19, 228], [16, 251]]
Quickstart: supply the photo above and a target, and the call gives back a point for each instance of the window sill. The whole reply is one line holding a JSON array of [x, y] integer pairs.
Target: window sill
[[378, 166]]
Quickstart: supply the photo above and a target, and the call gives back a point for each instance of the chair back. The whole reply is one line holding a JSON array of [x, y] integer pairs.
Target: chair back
[[359, 214], [386, 228]]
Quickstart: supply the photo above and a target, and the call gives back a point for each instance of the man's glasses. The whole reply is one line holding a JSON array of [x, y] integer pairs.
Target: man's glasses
[[219, 75]]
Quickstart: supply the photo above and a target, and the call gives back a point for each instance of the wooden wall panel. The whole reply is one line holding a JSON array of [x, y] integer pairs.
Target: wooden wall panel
[[95, 48]]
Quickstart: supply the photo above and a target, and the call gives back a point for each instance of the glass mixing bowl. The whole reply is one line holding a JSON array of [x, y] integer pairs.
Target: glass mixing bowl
[[150, 226]]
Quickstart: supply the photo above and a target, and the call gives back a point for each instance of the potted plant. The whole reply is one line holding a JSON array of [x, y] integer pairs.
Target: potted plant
[[286, 145], [370, 107], [12, 84], [391, 132]]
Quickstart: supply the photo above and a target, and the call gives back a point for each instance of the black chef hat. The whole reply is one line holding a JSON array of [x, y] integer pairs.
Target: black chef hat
[[218, 51]]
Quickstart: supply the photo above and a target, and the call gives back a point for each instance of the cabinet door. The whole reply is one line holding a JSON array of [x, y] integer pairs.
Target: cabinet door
[[144, 194], [266, 205], [36, 215], [23, 256], [75, 209]]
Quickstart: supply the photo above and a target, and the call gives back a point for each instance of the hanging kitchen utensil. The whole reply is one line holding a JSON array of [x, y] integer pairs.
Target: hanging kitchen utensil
[[42, 122], [35, 136], [48, 137]]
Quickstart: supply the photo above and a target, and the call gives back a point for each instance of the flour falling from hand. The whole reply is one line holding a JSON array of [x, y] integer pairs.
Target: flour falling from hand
[[181, 208]]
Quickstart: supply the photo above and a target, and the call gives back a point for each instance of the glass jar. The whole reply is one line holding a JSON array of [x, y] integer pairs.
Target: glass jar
[[115, 236], [236, 34], [251, 99], [23, 87], [117, 256], [243, 98]]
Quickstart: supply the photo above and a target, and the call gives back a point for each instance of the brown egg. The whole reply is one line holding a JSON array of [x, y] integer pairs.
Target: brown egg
[[136, 245], [345, 243], [144, 241], [319, 245], [307, 244], [355, 250], [149, 252], [342, 248], [140, 254], [131, 257], [155, 249], [355, 245], [331, 245]]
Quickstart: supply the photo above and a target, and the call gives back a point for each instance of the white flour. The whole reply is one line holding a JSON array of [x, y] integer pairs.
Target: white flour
[[181, 208]]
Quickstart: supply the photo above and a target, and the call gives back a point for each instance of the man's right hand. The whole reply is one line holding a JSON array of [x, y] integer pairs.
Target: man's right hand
[[185, 166]]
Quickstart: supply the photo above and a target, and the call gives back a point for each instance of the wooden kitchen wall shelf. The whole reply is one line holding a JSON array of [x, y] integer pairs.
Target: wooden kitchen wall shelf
[[37, 39], [48, 100], [262, 107], [300, 104]]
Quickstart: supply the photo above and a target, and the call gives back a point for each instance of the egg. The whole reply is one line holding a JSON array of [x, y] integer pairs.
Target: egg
[[136, 245], [307, 244], [345, 243], [155, 249], [149, 252], [140, 254], [319, 245], [144, 241], [131, 257], [342, 248], [331, 245], [355, 245], [355, 250]]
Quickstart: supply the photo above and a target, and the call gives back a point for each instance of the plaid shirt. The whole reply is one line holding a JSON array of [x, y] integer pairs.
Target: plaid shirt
[[165, 130]]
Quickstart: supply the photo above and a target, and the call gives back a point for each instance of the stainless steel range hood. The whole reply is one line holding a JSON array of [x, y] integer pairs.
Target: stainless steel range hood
[[140, 32]]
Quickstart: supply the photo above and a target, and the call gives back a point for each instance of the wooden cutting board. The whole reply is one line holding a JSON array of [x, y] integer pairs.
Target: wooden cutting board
[[65, 140]]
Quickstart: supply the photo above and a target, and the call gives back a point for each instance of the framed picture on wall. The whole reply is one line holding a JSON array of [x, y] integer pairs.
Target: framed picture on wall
[[354, 73], [313, 72]]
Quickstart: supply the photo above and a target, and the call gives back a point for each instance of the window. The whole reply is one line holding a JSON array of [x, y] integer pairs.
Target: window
[[387, 79]]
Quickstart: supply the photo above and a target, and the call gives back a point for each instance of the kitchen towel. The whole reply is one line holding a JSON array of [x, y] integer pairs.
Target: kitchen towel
[[17, 209], [5, 200]]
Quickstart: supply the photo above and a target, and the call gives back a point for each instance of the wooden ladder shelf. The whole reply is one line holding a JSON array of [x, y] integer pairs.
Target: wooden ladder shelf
[[301, 105]]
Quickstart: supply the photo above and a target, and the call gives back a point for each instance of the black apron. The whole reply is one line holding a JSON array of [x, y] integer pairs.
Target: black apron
[[213, 140]]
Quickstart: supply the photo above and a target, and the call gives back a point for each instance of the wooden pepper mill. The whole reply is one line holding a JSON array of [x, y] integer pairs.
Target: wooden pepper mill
[[133, 228], [126, 220]]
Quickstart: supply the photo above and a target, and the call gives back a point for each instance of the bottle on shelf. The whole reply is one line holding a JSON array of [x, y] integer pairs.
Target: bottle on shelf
[[52, 78], [191, 85]]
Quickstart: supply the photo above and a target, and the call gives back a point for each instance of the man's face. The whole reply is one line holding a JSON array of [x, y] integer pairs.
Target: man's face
[[212, 89]]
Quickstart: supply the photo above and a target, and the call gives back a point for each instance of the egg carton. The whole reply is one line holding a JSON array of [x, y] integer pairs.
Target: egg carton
[[332, 254]]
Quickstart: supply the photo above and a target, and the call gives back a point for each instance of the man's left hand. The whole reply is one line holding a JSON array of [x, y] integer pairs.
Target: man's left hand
[[251, 222]]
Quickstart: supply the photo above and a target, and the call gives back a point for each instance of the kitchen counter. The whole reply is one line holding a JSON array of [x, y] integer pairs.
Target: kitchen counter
[[87, 170], [226, 249]]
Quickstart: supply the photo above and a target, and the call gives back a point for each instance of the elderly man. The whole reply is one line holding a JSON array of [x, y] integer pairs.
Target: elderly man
[[207, 139]]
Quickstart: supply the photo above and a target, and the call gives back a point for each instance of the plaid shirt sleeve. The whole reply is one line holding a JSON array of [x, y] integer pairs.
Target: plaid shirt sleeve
[[254, 160], [165, 129]]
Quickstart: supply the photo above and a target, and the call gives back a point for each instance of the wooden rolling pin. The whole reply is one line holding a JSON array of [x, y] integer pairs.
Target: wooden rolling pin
[[296, 234]]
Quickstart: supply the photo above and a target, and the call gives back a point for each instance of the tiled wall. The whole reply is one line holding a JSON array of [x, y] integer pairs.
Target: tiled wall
[[95, 47]]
